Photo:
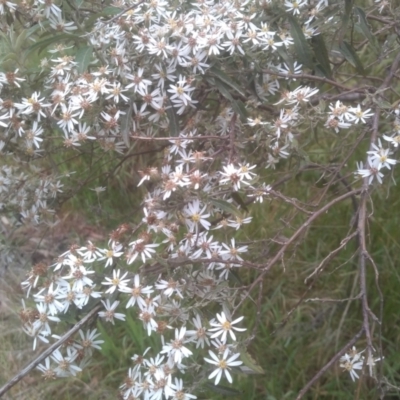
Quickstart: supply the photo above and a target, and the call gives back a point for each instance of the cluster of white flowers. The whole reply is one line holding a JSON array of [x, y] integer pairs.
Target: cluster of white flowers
[[343, 117], [379, 156], [159, 306], [123, 95], [77, 354]]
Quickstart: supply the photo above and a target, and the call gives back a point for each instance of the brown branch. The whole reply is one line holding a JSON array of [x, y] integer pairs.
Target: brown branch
[[391, 73], [48, 351], [337, 170], [327, 300], [362, 219], [293, 202], [331, 255], [312, 78], [181, 138], [329, 364], [121, 13], [303, 227], [345, 96]]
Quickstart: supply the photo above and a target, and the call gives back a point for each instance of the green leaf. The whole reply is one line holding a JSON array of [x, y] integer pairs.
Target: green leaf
[[240, 109], [345, 19], [224, 390], [35, 27], [364, 27], [135, 331], [303, 50], [83, 57], [382, 103], [351, 56], [20, 41], [281, 50], [237, 105], [111, 10], [236, 196], [163, 262], [321, 54], [221, 76], [250, 363], [234, 277], [43, 44], [109, 347], [173, 120], [10, 56], [225, 206], [126, 125], [222, 88]]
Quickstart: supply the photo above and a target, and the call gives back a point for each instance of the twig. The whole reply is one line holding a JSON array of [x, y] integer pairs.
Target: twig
[[182, 138], [329, 364], [362, 218], [337, 170], [326, 300], [293, 202], [312, 78], [48, 351], [304, 226], [120, 14], [331, 255]]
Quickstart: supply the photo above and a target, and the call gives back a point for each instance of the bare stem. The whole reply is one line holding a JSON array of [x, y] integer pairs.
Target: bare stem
[[48, 351], [336, 357]]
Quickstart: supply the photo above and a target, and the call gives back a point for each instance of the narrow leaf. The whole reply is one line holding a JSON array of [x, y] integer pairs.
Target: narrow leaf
[[240, 109], [364, 27], [111, 10], [227, 80], [303, 50], [224, 390], [83, 57], [126, 125], [225, 206], [43, 44], [281, 50], [321, 54], [237, 105], [35, 27], [223, 89], [236, 196], [173, 120], [249, 362], [20, 41], [348, 6], [351, 56]]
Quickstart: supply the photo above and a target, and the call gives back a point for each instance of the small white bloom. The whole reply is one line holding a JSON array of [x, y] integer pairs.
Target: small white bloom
[[351, 364], [223, 365], [116, 282], [223, 326], [175, 349], [110, 313]]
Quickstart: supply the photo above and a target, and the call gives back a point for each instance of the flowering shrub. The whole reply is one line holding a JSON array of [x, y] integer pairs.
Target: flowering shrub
[[228, 95]]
